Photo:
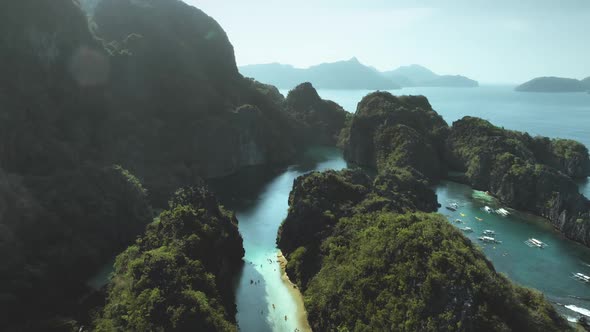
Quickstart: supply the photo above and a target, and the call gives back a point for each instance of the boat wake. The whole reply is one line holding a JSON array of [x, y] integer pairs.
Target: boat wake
[[579, 310]]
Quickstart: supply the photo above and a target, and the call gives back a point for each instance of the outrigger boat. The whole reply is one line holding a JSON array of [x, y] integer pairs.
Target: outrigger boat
[[479, 219], [452, 206], [467, 229], [581, 277], [532, 242], [458, 221], [488, 239], [489, 232], [488, 209]]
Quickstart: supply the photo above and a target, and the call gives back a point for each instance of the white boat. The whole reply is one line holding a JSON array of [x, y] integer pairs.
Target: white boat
[[581, 277], [458, 221], [503, 212], [488, 209], [532, 242], [453, 206], [488, 239], [489, 232], [467, 229]]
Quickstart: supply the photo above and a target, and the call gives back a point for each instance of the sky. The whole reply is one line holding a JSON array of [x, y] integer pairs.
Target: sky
[[492, 41]]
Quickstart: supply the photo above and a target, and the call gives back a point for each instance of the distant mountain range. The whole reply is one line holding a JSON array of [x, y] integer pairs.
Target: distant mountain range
[[352, 74], [555, 84]]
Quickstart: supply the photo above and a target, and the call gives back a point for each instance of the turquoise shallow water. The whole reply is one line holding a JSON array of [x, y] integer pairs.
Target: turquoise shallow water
[[548, 270], [259, 196]]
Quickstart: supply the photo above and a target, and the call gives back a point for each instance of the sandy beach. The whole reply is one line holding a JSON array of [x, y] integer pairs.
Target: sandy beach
[[294, 290]]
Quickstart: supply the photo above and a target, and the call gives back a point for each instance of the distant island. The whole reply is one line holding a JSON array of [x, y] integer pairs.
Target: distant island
[[416, 75], [555, 84], [352, 74], [349, 74]]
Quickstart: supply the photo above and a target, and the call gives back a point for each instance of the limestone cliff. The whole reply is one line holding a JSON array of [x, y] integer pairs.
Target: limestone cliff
[[401, 131], [528, 174], [322, 120]]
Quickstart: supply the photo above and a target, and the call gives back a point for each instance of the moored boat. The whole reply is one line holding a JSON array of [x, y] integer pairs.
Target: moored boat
[[488, 239], [532, 242], [581, 277]]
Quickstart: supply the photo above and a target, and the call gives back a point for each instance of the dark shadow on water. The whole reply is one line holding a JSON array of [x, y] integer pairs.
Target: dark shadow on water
[[240, 190], [251, 301]]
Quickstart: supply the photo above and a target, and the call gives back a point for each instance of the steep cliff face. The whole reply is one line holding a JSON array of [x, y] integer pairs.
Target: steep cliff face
[[159, 93], [322, 120], [402, 131], [177, 100], [525, 173], [179, 275], [567, 156], [156, 91], [365, 262]]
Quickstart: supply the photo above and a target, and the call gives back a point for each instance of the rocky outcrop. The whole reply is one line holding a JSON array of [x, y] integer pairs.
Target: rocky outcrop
[[400, 131], [532, 174], [319, 200], [363, 261], [528, 174], [178, 100], [567, 156], [180, 275], [322, 120]]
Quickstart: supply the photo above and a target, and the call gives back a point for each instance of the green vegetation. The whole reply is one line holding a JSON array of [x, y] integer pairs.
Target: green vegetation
[[56, 231], [399, 132], [533, 174], [364, 266], [322, 120], [178, 276]]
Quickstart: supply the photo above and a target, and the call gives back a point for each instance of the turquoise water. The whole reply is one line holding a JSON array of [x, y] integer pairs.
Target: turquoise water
[[564, 115], [548, 270], [259, 196]]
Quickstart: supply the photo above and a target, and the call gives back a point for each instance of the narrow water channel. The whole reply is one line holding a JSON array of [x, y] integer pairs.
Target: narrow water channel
[[259, 196]]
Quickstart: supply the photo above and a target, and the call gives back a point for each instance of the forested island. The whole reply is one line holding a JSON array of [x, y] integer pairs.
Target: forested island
[[555, 84], [110, 123]]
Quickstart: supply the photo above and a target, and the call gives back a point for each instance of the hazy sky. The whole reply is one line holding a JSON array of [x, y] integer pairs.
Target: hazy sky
[[488, 40]]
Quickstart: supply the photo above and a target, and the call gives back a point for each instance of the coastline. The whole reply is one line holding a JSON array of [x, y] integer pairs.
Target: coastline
[[294, 290]]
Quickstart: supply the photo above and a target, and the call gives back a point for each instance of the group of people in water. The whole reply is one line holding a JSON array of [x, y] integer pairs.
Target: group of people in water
[[256, 282]]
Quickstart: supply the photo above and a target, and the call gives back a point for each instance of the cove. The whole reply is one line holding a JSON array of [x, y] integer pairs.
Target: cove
[[548, 270], [259, 196]]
